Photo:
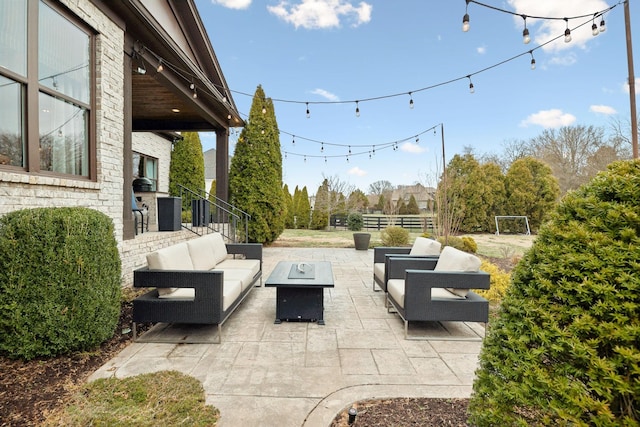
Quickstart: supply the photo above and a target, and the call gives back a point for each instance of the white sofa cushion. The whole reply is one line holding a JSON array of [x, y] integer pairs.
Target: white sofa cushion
[[218, 245], [202, 253], [243, 264], [452, 259], [424, 246], [174, 257], [242, 275], [395, 287], [231, 290]]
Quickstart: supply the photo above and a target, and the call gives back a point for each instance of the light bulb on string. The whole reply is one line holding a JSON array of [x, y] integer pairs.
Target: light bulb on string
[[526, 38], [603, 27], [293, 140], [308, 112], [305, 159], [465, 18], [533, 60], [322, 147], [349, 150], [160, 67], [410, 101], [325, 159], [417, 139], [567, 32], [471, 88], [357, 110], [374, 149]]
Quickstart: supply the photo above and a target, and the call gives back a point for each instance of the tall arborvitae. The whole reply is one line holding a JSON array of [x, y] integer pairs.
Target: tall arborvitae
[[303, 208], [187, 167], [288, 203], [255, 178], [320, 215]]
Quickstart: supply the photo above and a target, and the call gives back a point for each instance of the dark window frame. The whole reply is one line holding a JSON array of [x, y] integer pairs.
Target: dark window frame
[[31, 90]]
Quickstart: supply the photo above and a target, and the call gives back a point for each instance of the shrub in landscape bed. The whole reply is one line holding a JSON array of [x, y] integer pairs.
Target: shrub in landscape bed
[[565, 347], [500, 281], [465, 243], [355, 221], [394, 236], [59, 281]]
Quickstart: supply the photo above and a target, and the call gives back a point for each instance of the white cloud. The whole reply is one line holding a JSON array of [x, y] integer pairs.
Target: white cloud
[[544, 30], [553, 118], [410, 147], [357, 171], [481, 50], [565, 59], [313, 14], [326, 94], [625, 86], [602, 109], [233, 4]]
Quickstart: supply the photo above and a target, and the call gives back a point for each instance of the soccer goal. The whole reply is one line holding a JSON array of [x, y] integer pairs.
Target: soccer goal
[[525, 221]]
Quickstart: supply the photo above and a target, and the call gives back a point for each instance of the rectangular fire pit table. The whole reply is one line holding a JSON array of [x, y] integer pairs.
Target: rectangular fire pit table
[[300, 289]]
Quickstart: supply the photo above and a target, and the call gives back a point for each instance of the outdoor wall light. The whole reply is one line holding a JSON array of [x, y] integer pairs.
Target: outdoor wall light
[[353, 413]]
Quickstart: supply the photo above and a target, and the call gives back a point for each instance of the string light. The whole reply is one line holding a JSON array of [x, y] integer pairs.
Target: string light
[[567, 32], [465, 18], [525, 33], [357, 110], [533, 61], [308, 112], [160, 67], [322, 148], [410, 101], [471, 88], [293, 140], [603, 28], [264, 110], [594, 27]]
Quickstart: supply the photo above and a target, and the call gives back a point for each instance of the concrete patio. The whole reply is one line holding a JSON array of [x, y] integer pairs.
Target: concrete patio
[[302, 374]]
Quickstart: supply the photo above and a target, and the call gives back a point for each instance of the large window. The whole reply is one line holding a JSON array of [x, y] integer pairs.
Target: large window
[[146, 167], [45, 90]]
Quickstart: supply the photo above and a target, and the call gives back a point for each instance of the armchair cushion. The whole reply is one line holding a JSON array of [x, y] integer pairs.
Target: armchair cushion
[[396, 288], [452, 259], [424, 246]]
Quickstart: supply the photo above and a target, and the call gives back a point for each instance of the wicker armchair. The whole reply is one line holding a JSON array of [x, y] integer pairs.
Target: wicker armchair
[[419, 291]]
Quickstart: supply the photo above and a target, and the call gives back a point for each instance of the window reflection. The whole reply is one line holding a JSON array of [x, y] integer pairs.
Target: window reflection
[[11, 123], [63, 136], [63, 55], [13, 37]]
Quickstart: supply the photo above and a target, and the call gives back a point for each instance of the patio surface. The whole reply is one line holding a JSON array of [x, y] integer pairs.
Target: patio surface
[[300, 374]]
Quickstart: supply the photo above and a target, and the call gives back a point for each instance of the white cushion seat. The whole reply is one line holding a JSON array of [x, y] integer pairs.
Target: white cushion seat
[[395, 287], [452, 259]]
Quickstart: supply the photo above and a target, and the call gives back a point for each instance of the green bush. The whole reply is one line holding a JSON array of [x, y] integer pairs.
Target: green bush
[[500, 281], [59, 281], [565, 347], [469, 245], [355, 221], [394, 236]]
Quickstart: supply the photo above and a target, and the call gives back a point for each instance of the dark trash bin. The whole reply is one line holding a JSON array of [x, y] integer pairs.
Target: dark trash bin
[[169, 213]]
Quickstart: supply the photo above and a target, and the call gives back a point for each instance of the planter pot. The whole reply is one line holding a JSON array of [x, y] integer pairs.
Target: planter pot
[[361, 241]]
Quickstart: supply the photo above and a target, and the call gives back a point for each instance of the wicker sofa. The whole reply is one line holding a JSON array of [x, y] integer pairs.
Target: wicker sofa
[[423, 289], [201, 281]]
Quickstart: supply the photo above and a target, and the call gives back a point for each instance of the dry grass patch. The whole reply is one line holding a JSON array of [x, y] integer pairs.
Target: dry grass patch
[[161, 398]]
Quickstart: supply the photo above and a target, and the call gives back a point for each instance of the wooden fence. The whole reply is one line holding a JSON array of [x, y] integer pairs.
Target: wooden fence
[[380, 222]]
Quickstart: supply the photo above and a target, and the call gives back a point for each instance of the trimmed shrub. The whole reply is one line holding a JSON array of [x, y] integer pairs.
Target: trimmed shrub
[[394, 236], [565, 347], [466, 243], [355, 221], [59, 281]]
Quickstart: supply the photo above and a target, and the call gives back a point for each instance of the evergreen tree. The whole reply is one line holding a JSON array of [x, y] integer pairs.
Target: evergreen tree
[[302, 208], [564, 350], [288, 202], [412, 206], [320, 215], [532, 190], [255, 178], [495, 195], [187, 167], [401, 207], [357, 201]]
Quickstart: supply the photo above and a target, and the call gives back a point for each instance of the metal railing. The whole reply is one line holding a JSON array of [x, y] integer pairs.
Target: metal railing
[[210, 214]]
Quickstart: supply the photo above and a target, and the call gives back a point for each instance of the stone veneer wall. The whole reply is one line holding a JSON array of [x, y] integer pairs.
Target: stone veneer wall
[[22, 190]]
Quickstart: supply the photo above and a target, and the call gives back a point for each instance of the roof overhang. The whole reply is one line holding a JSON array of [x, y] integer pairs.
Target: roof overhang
[[171, 32]]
